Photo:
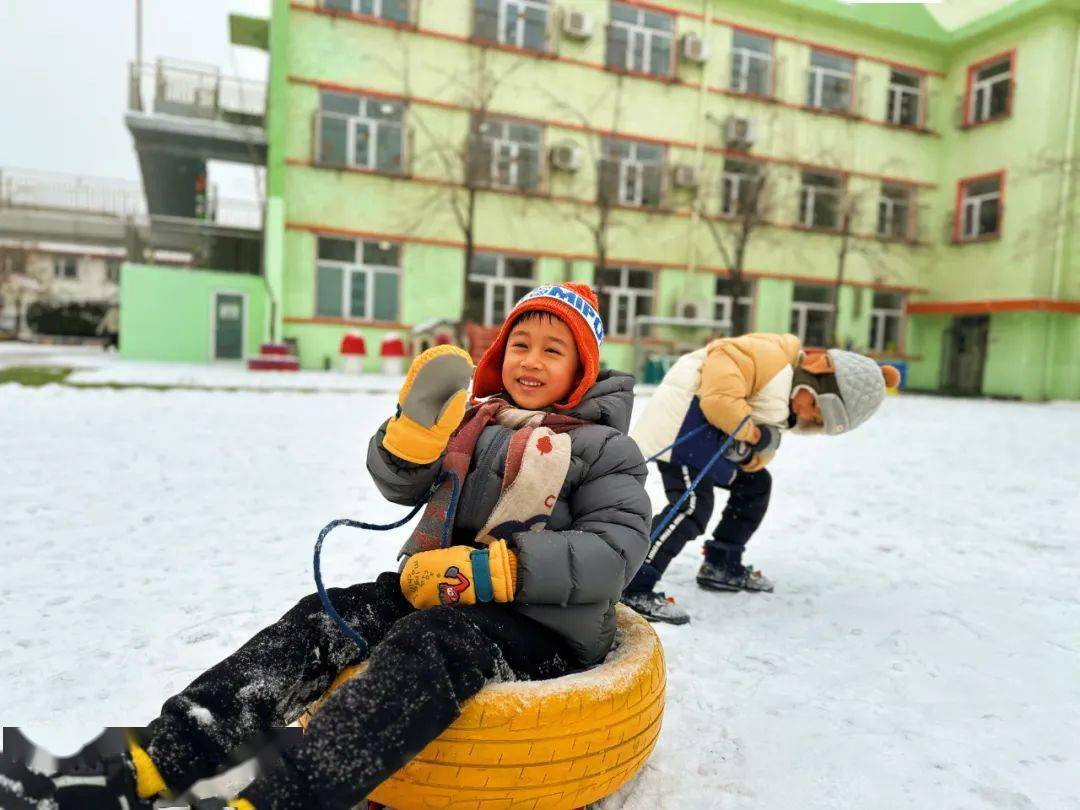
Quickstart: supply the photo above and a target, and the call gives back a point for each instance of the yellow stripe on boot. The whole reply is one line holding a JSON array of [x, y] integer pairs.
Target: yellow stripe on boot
[[148, 780], [241, 804]]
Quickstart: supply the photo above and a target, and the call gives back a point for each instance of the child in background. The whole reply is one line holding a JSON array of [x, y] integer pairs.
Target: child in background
[[779, 386], [551, 524]]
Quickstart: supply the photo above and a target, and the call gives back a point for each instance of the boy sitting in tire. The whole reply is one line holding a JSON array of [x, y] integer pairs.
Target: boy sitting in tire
[[550, 524], [771, 380]]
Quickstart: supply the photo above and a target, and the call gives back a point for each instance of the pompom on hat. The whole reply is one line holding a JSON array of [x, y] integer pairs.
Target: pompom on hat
[[575, 305]]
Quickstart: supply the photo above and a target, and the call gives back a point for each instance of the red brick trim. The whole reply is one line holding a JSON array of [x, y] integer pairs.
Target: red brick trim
[[992, 306]]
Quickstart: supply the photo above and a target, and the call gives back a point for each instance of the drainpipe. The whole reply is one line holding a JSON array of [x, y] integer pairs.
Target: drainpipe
[[1065, 199], [699, 153]]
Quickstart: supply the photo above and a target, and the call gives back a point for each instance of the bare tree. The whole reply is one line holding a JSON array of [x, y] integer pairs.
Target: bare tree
[[15, 282]]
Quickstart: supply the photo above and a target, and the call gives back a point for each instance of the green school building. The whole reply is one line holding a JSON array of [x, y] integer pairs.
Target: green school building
[[903, 186]]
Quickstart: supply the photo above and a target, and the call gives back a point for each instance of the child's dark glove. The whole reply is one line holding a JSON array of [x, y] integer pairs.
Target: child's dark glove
[[763, 449], [431, 404], [460, 575]]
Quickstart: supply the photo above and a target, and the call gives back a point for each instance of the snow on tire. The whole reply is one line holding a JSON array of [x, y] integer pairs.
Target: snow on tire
[[557, 744]]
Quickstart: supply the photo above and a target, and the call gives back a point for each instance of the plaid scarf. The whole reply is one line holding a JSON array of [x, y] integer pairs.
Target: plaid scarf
[[517, 503]]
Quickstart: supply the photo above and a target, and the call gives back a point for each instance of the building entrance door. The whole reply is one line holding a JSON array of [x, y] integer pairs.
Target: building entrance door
[[965, 354], [228, 326]]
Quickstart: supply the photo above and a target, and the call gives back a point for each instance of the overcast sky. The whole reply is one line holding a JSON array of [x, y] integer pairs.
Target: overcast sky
[[63, 69]]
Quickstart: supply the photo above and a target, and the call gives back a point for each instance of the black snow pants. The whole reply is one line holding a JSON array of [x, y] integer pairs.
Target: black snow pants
[[748, 500], [421, 667]]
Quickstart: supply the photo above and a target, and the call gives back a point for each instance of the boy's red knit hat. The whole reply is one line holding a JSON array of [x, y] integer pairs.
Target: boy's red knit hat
[[576, 306]]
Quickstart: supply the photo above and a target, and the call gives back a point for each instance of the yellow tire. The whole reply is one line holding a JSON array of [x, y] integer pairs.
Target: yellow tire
[[544, 745]]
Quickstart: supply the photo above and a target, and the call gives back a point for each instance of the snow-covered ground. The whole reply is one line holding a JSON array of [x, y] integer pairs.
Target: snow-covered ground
[[922, 648]]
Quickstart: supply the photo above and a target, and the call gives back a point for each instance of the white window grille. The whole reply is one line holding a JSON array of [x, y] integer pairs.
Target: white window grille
[[631, 172], [751, 63], [357, 279], [510, 154], [895, 212], [819, 200], [740, 186], [66, 268], [905, 99], [829, 81], [980, 207], [626, 293], [396, 10], [517, 23], [886, 318], [724, 303], [991, 88], [810, 309], [496, 283], [362, 132], [641, 40]]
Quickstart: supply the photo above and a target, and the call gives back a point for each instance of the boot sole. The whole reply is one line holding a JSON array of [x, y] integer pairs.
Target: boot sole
[[659, 619], [709, 586]]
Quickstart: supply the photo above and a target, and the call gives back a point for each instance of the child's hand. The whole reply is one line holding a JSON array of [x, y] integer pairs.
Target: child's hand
[[431, 404], [460, 575], [763, 449]]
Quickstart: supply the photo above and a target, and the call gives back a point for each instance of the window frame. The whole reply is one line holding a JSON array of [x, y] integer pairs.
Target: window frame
[[962, 202], [803, 308], [375, 125], [647, 33], [369, 271], [814, 102], [811, 192], [61, 264], [894, 104], [735, 180], [519, 32], [728, 302], [749, 54], [500, 279], [883, 200], [878, 319], [376, 14], [971, 90], [495, 143], [630, 294], [638, 165]]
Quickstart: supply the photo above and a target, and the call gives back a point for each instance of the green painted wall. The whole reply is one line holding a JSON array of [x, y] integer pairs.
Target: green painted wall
[[925, 336], [166, 312]]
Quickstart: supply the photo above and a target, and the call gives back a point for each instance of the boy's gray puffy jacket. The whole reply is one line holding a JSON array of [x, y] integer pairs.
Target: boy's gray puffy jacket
[[571, 574]]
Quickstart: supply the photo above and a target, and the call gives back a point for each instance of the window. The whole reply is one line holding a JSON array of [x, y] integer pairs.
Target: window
[[980, 208], [895, 212], [112, 270], [829, 81], [990, 90], [811, 307], [722, 301], [631, 173], [65, 267], [496, 283], [625, 294], [885, 319], [396, 10], [819, 200], [905, 95], [640, 40], [740, 187], [357, 279], [751, 63], [518, 23], [363, 132], [507, 154]]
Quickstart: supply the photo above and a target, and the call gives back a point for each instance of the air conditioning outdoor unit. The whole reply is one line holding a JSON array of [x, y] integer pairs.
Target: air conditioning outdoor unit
[[694, 48], [566, 157], [576, 24], [685, 176], [691, 309], [740, 133]]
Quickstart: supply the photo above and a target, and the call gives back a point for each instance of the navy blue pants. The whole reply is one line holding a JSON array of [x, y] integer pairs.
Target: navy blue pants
[[748, 500]]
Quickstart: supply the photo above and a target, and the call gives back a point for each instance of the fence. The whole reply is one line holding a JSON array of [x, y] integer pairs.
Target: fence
[[192, 90]]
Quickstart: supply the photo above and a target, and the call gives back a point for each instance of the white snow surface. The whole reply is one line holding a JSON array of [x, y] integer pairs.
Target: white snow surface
[[922, 648]]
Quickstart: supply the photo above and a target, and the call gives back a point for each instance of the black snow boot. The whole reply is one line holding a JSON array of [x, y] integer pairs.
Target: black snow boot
[[655, 606], [101, 776], [732, 578]]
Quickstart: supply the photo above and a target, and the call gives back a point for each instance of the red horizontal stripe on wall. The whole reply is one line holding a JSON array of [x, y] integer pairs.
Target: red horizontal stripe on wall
[[988, 307]]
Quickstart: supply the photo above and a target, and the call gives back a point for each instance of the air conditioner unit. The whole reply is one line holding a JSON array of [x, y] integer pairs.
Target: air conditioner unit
[[566, 157], [685, 176], [694, 48], [576, 24], [693, 310], [740, 133]]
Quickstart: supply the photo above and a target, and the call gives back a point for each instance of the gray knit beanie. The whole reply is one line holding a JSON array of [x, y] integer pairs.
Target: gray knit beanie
[[862, 390]]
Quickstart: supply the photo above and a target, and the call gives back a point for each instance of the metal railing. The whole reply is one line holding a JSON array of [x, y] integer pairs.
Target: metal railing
[[25, 188], [192, 90]]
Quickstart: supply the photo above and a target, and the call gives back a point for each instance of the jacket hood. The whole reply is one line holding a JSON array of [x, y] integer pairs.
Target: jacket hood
[[609, 402]]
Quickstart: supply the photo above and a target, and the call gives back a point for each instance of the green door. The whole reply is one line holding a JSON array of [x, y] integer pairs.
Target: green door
[[228, 326]]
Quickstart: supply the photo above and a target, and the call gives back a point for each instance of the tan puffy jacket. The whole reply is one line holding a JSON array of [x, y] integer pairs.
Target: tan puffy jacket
[[748, 375]]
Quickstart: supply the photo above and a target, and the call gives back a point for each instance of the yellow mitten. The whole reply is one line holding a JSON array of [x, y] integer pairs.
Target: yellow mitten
[[460, 575], [431, 404]]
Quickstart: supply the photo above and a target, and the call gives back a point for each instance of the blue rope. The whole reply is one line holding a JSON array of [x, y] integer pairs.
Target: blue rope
[[444, 541], [679, 441], [701, 475]]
